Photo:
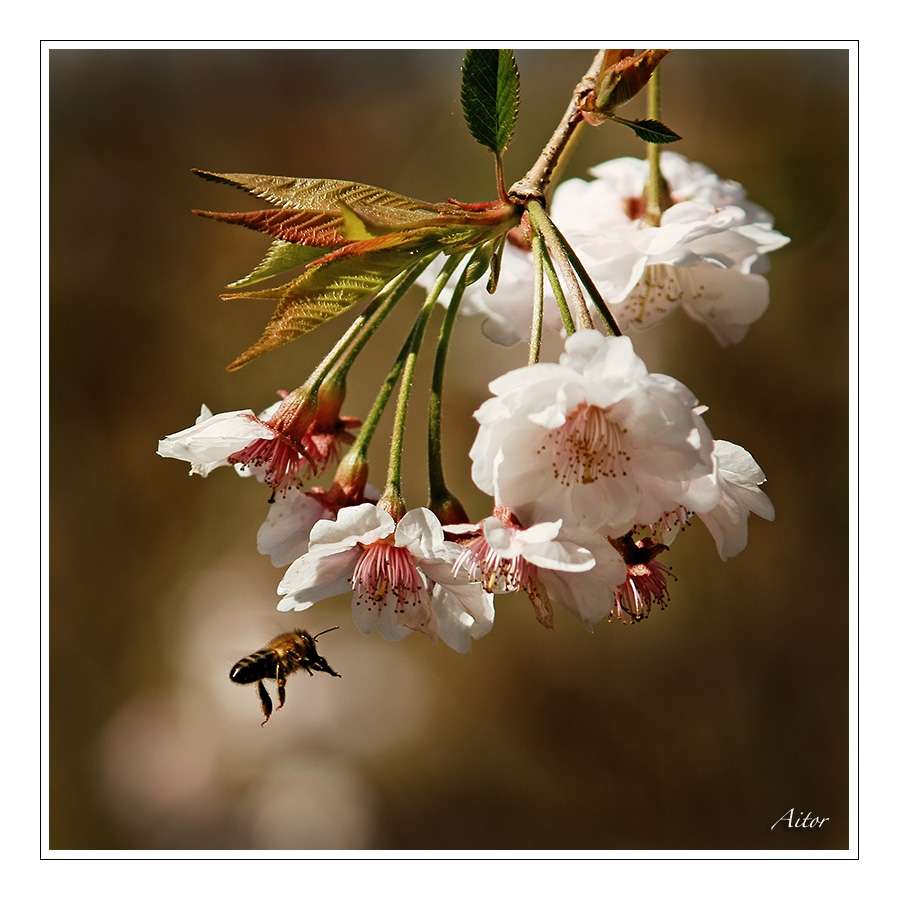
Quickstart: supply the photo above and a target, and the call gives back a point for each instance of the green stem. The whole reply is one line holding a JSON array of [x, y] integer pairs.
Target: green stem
[[500, 178], [548, 231], [537, 312], [392, 498], [368, 427], [654, 184], [388, 299], [374, 313], [604, 311], [564, 311], [438, 491]]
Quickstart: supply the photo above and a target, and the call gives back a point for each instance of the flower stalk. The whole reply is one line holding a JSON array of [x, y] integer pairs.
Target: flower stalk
[[392, 498], [608, 320], [655, 183], [556, 247], [558, 293], [537, 312], [384, 304], [440, 499], [533, 186]]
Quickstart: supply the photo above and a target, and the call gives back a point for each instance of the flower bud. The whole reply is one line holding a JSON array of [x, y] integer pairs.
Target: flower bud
[[448, 509]]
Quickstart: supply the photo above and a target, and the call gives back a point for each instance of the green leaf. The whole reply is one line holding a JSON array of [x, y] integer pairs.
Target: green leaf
[[490, 96], [478, 263], [496, 259], [649, 130], [281, 257]]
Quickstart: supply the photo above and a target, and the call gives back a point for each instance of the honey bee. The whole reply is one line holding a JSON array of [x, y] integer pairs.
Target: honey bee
[[281, 656]]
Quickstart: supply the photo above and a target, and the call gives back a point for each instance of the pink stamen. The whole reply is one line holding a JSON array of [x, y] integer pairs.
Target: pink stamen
[[646, 583], [496, 573], [590, 445], [280, 457], [383, 569]]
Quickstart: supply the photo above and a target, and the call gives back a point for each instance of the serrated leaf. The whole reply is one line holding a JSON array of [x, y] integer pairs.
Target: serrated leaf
[[490, 96], [335, 282], [320, 293], [650, 130], [310, 227], [373, 205], [625, 79], [281, 257]]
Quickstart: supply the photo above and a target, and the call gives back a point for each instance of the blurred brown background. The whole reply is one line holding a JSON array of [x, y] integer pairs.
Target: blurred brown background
[[696, 729]]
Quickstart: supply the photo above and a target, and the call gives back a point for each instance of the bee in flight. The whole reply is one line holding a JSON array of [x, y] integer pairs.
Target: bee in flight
[[281, 656]]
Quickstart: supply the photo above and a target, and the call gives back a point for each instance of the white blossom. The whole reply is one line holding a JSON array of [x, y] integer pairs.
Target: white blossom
[[705, 254], [401, 574], [594, 439], [738, 477], [542, 560]]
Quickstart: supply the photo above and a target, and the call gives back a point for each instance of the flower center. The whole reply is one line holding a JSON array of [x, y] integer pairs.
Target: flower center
[[280, 458], [646, 583], [496, 573], [384, 569], [587, 447]]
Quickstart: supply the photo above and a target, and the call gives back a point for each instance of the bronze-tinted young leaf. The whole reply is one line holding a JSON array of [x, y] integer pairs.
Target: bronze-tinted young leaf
[[625, 79], [309, 227], [373, 205], [490, 96], [320, 293], [649, 130], [281, 257]]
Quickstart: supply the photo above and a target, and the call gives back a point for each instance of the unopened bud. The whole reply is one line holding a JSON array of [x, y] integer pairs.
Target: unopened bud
[[350, 479], [449, 510]]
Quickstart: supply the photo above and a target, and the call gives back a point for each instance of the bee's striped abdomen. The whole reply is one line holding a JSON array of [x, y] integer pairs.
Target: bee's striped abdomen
[[261, 664]]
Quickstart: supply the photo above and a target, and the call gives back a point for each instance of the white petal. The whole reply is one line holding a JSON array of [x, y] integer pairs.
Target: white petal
[[284, 535], [420, 530], [314, 577], [362, 524], [208, 444], [560, 556]]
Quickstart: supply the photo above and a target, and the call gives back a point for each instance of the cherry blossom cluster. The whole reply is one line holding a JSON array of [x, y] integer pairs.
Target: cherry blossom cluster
[[593, 464]]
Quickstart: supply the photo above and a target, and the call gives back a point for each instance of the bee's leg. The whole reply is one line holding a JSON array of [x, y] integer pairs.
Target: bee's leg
[[321, 665], [266, 701], [282, 683]]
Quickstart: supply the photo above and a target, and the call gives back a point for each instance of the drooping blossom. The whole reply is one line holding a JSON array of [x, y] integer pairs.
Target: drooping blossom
[[540, 560], [284, 534], [739, 478], [646, 580], [594, 439], [707, 254], [288, 441], [401, 575]]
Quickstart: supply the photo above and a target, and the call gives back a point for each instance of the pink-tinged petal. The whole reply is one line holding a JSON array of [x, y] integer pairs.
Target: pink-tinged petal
[[314, 577]]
